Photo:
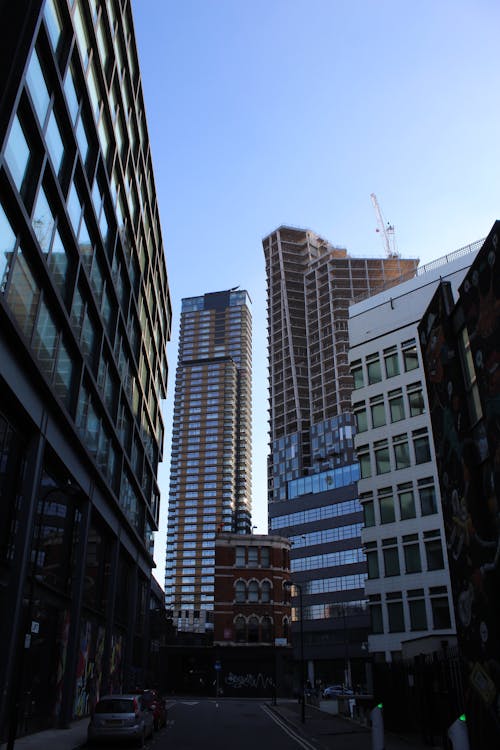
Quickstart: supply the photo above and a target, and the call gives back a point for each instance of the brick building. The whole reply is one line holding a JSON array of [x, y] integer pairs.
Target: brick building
[[251, 605]]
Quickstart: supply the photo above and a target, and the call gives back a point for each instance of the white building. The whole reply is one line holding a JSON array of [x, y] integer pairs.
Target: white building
[[408, 585]]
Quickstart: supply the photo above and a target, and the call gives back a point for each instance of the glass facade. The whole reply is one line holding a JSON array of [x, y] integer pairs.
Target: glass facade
[[86, 316]]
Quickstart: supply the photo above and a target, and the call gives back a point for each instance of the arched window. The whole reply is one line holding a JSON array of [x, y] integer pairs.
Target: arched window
[[240, 629], [253, 629], [266, 630], [253, 591], [241, 591], [265, 592]]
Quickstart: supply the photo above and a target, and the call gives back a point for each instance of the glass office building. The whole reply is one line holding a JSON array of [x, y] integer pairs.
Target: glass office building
[[85, 316], [211, 475]]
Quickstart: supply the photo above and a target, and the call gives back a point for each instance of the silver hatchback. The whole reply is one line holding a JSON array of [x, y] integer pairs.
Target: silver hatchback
[[120, 717]]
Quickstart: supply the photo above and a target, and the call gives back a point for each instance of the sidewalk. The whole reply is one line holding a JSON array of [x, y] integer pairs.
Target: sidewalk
[[55, 739], [333, 732]]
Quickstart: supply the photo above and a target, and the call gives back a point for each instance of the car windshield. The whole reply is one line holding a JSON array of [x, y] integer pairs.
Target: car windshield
[[115, 706]]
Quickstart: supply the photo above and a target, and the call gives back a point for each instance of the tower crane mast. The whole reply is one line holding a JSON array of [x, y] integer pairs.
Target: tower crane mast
[[386, 229]]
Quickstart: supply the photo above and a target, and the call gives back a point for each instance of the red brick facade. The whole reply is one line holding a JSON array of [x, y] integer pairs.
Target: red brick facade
[[251, 605]]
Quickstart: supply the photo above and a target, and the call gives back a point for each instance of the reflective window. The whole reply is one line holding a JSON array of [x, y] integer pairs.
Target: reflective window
[[53, 22], [373, 368], [253, 591], [416, 399], [406, 501], [82, 36], [412, 553], [71, 95], [401, 451], [83, 142], [382, 460], [44, 341], [38, 88], [54, 143], [396, 405], [58, 264], [63, 374], [427, 495], [17, 153], [23, 294], [421, 446], [391, 557], [410, 356], [391, 362], [74, 209], [396, 617], [440, 612], [7, 243], [418, 615], [43, 222], [378, 411], [386, 505]]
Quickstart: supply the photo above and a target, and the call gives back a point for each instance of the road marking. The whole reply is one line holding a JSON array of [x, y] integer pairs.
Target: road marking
[[281, 723], [189, 703]]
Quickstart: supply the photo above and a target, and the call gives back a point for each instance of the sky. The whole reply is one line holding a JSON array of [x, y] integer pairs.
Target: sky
[[269, 112]]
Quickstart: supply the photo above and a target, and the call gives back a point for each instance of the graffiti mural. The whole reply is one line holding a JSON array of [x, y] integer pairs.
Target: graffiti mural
[[461, 353]]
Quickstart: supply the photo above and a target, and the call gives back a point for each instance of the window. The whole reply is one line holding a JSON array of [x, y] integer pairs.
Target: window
[[45, 340], [265, 557], [253, 629], [38, 88], [401, 451], [266, 630], [17, 154], [240, 628], [412, 553], [473, 398], [241, 591], [23, 294], [391, 557], [357, 374], [415, 399], [372, 559], [421, 446], [53, 22], [265, 592], [410, 356], [396, 405], [55, 144], [433, 550], [377, 625], [240, 556], [253, 591], [373, 369], [406, 501], [364, 462], [253, 553], [440, 607], [378, 411], [427, 495], [386, 505], [391, 362], [361, 417], [368, 512], [8, 241], [382, 460], [395, 613], [416, 606]]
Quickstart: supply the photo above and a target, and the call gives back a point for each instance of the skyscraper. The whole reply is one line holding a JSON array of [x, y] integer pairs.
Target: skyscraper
[[312, 466], [84, 320], [210, 480]]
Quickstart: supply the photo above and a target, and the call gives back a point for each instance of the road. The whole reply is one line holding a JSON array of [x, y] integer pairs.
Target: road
[[207, 723]]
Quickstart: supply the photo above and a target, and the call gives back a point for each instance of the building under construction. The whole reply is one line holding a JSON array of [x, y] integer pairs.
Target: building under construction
[[311, 284]]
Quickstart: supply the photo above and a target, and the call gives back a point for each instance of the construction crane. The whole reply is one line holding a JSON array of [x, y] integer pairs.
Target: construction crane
[[386, 229]]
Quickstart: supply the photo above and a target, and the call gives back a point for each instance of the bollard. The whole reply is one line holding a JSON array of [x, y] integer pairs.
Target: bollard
[[377, 722], [458, 734]]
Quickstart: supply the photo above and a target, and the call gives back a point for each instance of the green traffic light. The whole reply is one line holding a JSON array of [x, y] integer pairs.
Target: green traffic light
[[462, 718], [380, 705]]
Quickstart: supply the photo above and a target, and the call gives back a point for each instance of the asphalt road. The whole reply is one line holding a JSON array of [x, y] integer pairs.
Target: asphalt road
[[211, 724]]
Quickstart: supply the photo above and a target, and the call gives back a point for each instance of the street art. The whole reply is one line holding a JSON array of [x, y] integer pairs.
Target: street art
[[255, 681]]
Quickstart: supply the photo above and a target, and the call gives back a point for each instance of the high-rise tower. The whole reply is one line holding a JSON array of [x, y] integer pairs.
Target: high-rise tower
[[210, 480], [312, 460]]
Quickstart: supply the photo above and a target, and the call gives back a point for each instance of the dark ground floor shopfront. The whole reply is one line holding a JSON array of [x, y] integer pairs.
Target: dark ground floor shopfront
[[74, 580]]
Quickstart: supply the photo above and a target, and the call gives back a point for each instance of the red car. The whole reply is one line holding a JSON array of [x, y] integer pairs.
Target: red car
[[153, 701]]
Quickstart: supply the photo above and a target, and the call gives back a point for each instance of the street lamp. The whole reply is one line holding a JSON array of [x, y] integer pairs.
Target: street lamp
[[288, 585]]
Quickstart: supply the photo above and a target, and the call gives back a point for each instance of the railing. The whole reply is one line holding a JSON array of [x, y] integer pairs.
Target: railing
[[421, 270]]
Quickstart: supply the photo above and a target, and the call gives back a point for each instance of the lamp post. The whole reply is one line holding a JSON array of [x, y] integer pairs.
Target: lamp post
[[288, 585]]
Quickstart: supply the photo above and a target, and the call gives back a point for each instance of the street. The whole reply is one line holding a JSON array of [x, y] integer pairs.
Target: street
[[209, 723]]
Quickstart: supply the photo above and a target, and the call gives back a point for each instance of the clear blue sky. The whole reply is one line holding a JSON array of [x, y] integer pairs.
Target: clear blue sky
[[269, 112]]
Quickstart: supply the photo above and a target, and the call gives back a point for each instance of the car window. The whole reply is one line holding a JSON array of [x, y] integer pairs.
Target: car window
[[115, 706]]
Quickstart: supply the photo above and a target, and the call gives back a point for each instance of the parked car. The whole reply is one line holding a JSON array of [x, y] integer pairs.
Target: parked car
[[153, 700], [336, 691], [121, 717]]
